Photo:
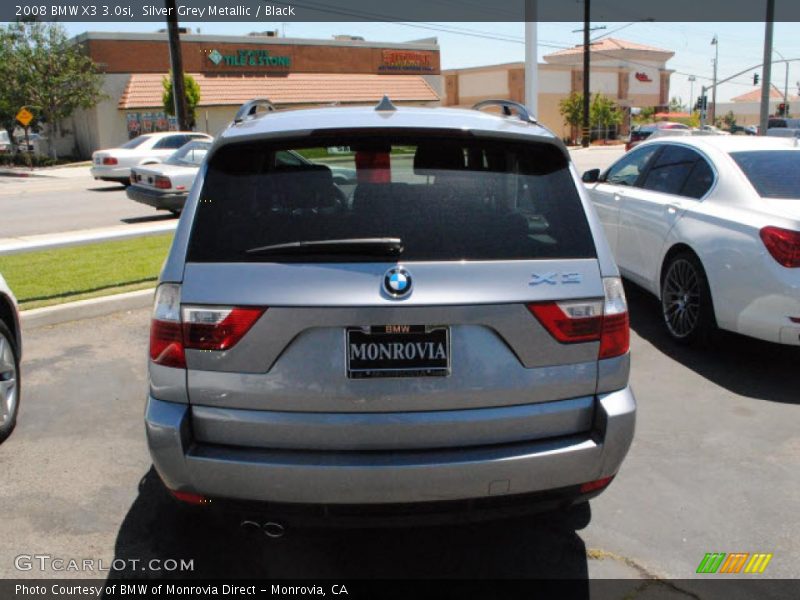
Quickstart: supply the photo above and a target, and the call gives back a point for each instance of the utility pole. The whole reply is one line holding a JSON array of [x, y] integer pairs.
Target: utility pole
[[176, 62], [715, 43], [585, 133], [692, 79], [531, 58], [765, 77]]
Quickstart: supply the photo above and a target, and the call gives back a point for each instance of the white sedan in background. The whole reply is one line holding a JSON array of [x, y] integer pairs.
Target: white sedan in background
[[710, 225], [165, 185], [115, 164]]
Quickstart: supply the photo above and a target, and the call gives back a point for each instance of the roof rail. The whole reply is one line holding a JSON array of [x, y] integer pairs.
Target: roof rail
[[250, 108], [507, 106]]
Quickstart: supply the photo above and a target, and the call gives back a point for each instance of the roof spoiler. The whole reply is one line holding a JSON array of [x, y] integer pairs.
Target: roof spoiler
[[249, 109], [508, 106]]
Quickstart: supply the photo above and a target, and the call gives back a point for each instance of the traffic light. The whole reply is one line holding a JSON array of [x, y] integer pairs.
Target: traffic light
[[702, 103], [755, 78], [781, 109]]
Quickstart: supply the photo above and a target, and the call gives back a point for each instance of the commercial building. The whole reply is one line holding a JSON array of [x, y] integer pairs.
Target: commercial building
[[746, 108], [631, 74], [230, 70]]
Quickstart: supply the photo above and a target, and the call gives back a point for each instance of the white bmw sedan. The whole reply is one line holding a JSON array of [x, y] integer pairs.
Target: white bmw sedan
[[114, 164], [710, 225]]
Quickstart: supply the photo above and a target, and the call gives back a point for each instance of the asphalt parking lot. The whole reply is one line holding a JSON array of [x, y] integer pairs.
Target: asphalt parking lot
[[715, 466]]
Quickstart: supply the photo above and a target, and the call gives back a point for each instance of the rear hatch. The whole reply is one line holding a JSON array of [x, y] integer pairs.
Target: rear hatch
[[455, 273]]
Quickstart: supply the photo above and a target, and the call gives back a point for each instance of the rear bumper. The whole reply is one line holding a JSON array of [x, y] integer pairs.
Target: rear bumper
[[110, 173], [384, 478], [157, 198]]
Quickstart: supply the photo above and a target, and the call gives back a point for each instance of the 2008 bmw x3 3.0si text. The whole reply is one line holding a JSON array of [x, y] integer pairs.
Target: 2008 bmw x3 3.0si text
[[447, 329]]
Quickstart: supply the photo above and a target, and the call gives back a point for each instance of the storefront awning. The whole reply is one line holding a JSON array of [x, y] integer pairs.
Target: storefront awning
[[144, 90]]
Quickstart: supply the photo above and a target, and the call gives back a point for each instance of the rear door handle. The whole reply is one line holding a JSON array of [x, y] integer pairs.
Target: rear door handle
[[674, 207]]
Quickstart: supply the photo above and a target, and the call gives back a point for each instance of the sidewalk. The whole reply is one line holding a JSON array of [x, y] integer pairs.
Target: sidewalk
[[14, 245], [61, 172]]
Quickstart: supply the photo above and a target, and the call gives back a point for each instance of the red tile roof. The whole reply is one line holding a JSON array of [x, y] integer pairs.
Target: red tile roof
[[755, 95], [144, 90], [608, 45]]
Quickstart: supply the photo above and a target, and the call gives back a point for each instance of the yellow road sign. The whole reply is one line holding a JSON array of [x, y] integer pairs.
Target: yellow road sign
[[24, 116]]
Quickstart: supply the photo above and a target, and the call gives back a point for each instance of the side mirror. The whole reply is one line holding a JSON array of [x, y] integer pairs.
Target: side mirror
[[591, 176]]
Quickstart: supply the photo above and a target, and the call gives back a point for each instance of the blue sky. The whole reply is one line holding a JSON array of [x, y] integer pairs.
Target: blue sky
[[474, 44]]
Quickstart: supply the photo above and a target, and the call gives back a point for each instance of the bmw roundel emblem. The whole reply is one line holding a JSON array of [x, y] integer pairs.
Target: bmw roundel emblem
[[397, 281]]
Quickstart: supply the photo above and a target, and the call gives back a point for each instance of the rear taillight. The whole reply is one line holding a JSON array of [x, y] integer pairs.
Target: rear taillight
[[578, 321], [783, 245], [110, 161], [175, 329], [571, 322], [214, 328], [615, 339], [166, 335], [163, 183]]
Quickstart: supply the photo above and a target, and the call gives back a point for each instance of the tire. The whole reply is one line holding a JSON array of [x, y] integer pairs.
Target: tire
[[686, 303], [10, 382]]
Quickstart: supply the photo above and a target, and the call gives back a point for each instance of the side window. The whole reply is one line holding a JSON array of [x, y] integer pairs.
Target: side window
[[670, 171], [171, 142], [628, 169], [287, 158], [699, 181]]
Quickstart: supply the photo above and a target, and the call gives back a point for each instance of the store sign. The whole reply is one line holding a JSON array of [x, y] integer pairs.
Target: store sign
[[643, 77], [406, 60], [248, 58]]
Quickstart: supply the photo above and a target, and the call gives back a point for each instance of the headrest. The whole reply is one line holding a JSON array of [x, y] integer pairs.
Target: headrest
[[438, 157]]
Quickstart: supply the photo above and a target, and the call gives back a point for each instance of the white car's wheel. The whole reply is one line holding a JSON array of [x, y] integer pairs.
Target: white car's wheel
[[9, 383], [686, 302]]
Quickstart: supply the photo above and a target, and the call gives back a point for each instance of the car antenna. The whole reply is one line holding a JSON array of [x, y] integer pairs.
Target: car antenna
[[385, 104]]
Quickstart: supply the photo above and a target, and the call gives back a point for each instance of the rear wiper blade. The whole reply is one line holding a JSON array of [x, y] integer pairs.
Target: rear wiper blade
[[363, 246]]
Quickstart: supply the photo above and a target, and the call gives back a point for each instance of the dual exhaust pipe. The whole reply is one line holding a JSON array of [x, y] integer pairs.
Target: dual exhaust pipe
[[271, 529]]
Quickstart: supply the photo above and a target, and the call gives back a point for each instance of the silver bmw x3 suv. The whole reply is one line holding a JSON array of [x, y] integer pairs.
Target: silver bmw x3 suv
[[446, 329]]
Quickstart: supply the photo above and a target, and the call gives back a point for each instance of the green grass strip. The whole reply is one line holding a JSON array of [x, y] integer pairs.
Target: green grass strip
[[47, 277]]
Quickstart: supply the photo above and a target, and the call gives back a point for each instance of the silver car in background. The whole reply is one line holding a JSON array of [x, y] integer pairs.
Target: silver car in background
[[10, 357], [448, 333]]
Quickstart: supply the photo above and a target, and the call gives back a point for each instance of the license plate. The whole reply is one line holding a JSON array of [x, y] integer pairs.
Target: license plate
[[398, 351]]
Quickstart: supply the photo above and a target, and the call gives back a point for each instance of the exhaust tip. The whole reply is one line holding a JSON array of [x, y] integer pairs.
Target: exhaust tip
[[250, 526], [273, 530]]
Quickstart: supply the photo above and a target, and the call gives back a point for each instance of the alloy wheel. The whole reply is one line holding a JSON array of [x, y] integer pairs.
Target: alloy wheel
[[680, 299], [8, 381]]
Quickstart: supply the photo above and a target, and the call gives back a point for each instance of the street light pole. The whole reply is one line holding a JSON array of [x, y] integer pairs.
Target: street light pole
[[531, 59], [765, 78], [786, 81], [715, 43], [692, 79], [586, 93]]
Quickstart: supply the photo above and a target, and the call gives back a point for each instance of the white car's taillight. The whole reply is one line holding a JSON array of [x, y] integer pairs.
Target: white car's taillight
[[578, 321], [174, 329]]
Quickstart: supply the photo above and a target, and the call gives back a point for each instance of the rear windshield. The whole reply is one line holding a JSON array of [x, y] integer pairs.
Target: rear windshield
[[137, 141], [774, 173], [444, 199]]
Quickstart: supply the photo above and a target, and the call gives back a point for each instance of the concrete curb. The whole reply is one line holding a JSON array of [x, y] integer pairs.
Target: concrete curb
[[86, 309], [13, 173], [49, 241]]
